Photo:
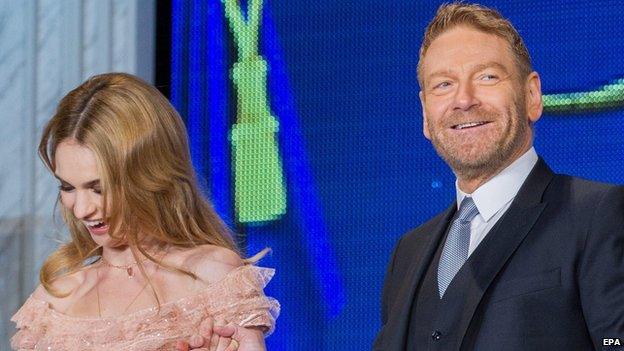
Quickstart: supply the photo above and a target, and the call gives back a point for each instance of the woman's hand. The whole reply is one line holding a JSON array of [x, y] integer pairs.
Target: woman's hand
[[207, 340], [215, 336], [243, 339]]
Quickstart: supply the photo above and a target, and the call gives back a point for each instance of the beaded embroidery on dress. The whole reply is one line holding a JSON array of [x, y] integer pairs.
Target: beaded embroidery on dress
[[237, 298]]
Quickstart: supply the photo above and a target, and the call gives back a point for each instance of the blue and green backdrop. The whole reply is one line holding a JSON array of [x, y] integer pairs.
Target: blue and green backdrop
[[305, 126]]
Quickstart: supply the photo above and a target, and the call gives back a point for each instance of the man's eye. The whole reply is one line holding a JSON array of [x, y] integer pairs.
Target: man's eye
[[442, 85], [489, 77]]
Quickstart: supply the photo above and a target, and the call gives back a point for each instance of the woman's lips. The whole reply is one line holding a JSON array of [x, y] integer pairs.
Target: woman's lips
[[101, 230]]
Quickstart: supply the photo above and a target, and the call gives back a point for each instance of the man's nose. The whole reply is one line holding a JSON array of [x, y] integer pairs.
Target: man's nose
[[84, 205], [465, 97]]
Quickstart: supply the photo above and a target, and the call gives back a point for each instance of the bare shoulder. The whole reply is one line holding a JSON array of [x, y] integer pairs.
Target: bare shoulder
[[68, 285], [210, 262]]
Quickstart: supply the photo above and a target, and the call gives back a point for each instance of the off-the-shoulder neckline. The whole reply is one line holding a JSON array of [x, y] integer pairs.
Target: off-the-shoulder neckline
[[149, 310]]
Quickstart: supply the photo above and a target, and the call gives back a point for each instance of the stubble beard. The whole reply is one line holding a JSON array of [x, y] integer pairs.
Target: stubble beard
[[488, 160]]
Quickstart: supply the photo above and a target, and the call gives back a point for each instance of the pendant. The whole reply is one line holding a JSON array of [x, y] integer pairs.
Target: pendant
[[130, 272]]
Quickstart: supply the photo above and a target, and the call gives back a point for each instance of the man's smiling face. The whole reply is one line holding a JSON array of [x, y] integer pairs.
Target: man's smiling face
[[474, 102]]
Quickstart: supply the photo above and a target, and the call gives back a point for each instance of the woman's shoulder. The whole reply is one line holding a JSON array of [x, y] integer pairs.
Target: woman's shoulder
[[41, 301], [66, 286], [209, 262]]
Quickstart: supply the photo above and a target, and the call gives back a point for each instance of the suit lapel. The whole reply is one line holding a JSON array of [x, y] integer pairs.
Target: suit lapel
[[399, 315], [502, 241]]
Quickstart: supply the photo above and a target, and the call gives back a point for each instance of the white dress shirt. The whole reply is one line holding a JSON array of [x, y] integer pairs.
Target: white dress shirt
[[494, 197]]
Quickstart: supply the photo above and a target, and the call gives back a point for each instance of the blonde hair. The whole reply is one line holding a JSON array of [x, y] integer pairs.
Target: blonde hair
[[141, 147], [481, 18]]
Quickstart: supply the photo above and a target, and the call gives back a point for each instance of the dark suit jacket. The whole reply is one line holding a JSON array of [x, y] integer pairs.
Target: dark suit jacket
[[548, 276]]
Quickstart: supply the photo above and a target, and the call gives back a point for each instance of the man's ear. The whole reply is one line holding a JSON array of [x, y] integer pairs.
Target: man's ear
[[533, 93], [424, 115]]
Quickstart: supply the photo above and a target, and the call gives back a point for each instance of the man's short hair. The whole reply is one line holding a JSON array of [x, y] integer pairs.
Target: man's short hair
[[481, 18]]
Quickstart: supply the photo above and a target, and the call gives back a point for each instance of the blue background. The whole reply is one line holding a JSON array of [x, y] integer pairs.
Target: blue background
[[359, 172]]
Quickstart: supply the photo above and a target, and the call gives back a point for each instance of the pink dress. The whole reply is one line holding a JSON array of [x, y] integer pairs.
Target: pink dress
[[238, 298]]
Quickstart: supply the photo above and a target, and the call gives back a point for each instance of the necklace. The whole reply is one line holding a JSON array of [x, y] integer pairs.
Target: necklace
[[130, 272], [128, 268], [97, 291]]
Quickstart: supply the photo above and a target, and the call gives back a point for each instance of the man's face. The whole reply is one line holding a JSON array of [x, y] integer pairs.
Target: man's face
[[477, 110]]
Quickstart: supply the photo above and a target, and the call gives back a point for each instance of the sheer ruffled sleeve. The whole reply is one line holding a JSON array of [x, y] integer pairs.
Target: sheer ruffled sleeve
[[242, 300], [238, 298], [29, 321]]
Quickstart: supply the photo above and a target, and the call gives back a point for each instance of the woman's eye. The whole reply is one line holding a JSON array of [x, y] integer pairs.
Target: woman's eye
[[65, 188], [97, 191]]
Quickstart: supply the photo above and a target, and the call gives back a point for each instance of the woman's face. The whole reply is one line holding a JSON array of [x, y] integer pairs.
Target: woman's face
[[77, 170]]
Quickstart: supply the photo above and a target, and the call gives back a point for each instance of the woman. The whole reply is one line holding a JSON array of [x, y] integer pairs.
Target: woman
[[149, 260]]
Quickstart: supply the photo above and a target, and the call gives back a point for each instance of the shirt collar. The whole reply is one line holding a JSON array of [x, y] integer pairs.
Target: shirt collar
[[502, 188]]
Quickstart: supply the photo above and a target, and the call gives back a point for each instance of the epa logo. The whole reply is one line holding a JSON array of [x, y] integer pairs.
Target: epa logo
[[611, 342]]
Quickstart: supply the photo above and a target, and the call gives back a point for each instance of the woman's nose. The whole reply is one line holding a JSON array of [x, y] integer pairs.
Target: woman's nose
[[84, 206]]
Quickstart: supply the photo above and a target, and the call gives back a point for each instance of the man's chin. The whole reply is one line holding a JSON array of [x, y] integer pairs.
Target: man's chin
[[474, 166], [473, 161]]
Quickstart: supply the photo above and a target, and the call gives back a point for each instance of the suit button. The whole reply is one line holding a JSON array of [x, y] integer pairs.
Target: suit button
[[436, 335]]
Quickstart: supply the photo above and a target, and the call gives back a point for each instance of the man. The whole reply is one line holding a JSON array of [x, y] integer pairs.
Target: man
[[525, 259]]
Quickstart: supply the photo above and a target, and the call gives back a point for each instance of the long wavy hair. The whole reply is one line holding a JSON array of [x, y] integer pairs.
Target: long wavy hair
[[149, 188]]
